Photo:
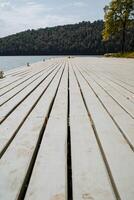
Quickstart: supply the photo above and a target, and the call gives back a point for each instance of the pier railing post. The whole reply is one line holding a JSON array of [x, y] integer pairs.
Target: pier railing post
[[1, 74]]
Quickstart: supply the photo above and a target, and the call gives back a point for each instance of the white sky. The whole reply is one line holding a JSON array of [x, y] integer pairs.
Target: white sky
[[20, 15]]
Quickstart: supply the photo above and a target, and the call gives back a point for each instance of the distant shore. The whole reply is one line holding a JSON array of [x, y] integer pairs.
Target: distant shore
[[120, 55]]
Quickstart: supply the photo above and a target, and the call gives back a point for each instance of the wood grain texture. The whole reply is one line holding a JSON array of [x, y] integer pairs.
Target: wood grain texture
[[89, 99]]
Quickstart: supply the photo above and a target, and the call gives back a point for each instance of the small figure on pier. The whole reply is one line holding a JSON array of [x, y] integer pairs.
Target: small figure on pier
[[43, 60], [1, 74], [28, 64]]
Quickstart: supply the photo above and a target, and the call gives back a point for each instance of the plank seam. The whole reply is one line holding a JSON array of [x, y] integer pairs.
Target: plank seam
[[121, 131], [33, 160], [69, 158], [22, 89], [25, 97], [117, 90], [22, 122], [112, 97], [117, 195], [25, 80]]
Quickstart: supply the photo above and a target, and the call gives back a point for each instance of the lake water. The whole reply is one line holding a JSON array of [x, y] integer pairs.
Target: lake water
[[10, 62]]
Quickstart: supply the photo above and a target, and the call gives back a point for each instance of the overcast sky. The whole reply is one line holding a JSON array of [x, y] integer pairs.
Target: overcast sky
[[20, 15]]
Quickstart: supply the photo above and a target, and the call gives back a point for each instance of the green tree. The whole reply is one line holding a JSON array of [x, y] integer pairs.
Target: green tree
[[119, 17]]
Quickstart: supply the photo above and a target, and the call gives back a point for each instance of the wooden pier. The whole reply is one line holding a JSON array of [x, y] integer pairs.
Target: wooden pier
[[67, 130]]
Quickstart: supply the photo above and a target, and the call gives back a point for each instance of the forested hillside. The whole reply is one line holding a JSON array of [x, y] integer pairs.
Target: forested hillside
[[83, 38]]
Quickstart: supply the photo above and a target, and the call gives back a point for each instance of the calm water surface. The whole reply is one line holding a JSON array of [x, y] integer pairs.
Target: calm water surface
[[10, 62]]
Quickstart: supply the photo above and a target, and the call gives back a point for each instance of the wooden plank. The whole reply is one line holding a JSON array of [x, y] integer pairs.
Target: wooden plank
[[15, 91], [22, 148], [123, 83], [9, 106], [115, 147], [117, 69], [35, 139], [16, 119], [17, 70], [124, 92], [9, 79], [120, 117], [49, 177], [124, 103], [120, 83], [89, 174], [21, 81], [18, 74]]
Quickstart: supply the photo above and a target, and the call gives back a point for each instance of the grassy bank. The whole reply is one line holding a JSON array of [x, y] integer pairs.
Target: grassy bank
[[120, 55]]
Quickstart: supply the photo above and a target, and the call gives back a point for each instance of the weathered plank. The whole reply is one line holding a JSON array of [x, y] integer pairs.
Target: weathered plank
[[16, 119], [89, 174], [22, 81], [16, 90], [9, 106], [114, 146], [50, 170], [23, 148], [11, 79], [121, 90], [68, 133], [122, 101], [118, 84], [124, 122]]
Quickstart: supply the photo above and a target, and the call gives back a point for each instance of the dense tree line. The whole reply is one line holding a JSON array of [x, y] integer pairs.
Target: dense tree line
[[83, 38]]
